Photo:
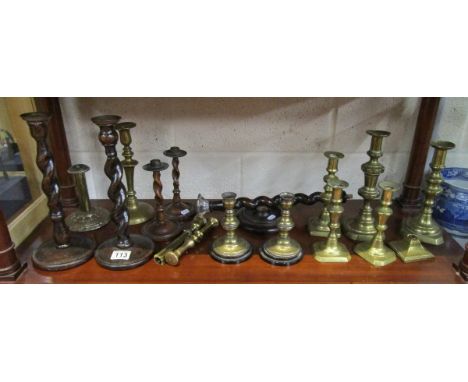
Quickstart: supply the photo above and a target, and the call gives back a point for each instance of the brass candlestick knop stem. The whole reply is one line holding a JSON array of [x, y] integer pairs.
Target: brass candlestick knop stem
[[376, 252], [230, 248], [423, 225], [362, 227], [320, 226], [87, 218], [331, 250], [139, 212], [282, 249]]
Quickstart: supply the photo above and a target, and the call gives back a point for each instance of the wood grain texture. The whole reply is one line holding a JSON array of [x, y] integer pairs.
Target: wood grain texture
[[197, 267]]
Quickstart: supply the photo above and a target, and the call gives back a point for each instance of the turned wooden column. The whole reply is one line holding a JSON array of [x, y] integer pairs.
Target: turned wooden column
[[10, 266], [411, 194]]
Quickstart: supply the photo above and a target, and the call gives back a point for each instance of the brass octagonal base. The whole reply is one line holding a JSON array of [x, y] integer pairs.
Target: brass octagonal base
[[324, 254], [410, 249], [377, 257], [139, 212], [273, 252], [354, 232], [430, 235], [231, 253]]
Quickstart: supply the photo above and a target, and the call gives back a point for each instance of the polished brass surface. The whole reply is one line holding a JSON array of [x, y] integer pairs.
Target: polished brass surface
[[138, 212], [331, 250], [282, 249], [230, 248], [423, 225], [376, 252], [87, 218], [173, 257], [362, 227], [320, 226], [410, 249]]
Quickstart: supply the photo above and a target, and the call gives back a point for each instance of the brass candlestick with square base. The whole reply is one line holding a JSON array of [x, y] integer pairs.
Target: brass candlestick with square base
[[410, 249], [331, 250], [376, 252], [423, 225], [362, 227], [320, 226]]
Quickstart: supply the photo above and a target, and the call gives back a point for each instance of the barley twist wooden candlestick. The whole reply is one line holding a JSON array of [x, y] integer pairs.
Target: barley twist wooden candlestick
[[139, 212], [123, 251], [177, 209], [160, 228], [64, 251]]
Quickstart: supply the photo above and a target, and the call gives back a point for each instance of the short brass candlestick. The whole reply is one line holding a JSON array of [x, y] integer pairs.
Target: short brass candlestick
[[65, 250], [87, 218], [320, 226], [410, 249], [160, 228], [282, 249], [177, 209], [138, 212], [376, 252], [230, 248], [362, 227], [123, 251], [423, 225], [331, 250]]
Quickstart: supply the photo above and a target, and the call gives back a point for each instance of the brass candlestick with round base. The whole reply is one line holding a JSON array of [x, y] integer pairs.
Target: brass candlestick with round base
[[230, 248], [123, 251], [177, 209], [65, 250], [423, 225], [160, 228], [282, 249], [410, 249], [320, 226], [331, 250], [376, 252], [87, 218], [138, 211], [362, 227]]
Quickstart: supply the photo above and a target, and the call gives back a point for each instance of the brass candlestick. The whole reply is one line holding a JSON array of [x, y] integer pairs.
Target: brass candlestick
[[139, 212], [123, 251], [362, 227], [230, 248], [423, 225], [320, 226], [410, 249], [160, 228], [376, 252], [331, 250], [87, 218], [177, 209], [283, 250], [64, 251]]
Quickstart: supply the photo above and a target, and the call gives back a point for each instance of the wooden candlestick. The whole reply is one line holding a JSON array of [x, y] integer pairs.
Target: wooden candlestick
[[462, 267], [10, 266]]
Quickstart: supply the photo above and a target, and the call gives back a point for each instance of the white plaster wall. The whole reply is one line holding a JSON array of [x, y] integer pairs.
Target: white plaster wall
[[255, 146]]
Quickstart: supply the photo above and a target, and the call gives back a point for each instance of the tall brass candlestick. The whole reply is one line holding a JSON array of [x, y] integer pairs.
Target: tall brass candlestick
[[320, 226], [376, 252], [138, 212], [331, 250], [362, 227], [423, 225]]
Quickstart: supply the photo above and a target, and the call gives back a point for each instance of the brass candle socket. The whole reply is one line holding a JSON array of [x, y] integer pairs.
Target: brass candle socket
[[138, 212], [376, 252], [160, 228], [172, 257], [410, 249], [320, 226], [177, 209], [87, 218], [331, 250], [230, 248], [423, 225], [282, 249], [362, 228]]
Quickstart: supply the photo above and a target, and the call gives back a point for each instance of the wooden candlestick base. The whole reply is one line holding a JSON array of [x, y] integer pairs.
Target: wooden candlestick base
[[161, 231]]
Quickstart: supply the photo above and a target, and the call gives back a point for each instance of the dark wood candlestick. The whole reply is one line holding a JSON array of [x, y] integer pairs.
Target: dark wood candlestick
[[160, 228], [64, 251], [177, 209], [123, 251], [462, 267], [10, 266]]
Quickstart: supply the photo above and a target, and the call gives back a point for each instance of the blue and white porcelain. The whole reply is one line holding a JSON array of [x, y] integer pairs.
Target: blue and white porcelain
[[451, 206]]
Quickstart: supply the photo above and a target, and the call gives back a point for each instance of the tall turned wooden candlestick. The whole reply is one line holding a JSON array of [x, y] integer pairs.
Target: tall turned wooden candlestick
[[65, 250], [139, 212], [10, 267], [160, 228], [123, 251], [177, 209]]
